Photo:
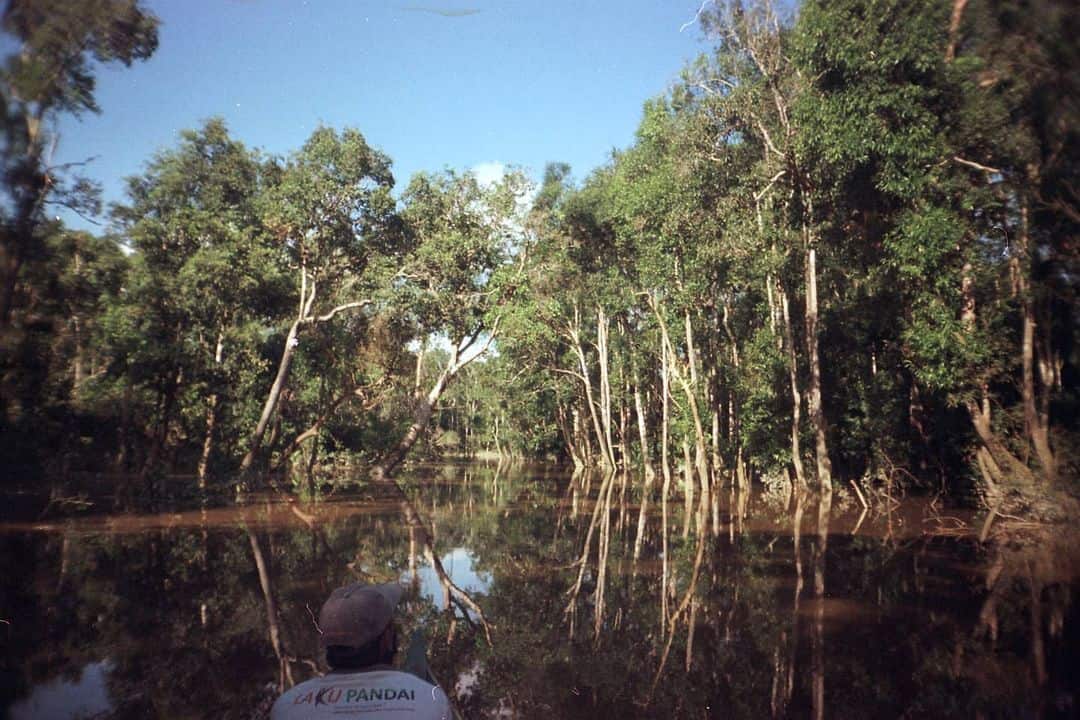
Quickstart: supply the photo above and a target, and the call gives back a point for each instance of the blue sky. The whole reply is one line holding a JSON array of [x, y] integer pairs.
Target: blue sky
[[433, 83]]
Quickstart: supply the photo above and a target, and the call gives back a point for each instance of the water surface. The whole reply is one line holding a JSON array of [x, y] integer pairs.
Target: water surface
[[761, 604]]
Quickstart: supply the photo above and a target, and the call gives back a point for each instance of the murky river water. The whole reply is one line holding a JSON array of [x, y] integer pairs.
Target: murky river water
[[760, 605]]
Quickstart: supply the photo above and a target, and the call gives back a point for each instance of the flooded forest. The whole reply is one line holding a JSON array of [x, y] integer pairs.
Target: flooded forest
[[772, 414]]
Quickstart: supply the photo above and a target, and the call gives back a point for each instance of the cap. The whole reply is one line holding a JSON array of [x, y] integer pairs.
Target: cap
[[356, 614]]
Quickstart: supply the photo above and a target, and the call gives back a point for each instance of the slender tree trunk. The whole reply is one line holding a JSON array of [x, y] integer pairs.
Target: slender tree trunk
[[643, 431], [161, 433], [817, 415], [569, 433], [421, 417], [425, 406], [665, 425], [213, 406], [996, 463], [1036, 421], [733, 405], [272, 399], [796, 396], [602, 328], [688, 488], [701, 457], [646, 460], [574, 334]]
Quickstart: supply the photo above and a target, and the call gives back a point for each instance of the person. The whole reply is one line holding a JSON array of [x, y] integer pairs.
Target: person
[[356, 626]]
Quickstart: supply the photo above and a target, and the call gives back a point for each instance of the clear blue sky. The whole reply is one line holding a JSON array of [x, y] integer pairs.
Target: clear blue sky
[[433, 83]]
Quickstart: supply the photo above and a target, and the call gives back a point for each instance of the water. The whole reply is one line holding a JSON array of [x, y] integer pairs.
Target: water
[[775, 606]]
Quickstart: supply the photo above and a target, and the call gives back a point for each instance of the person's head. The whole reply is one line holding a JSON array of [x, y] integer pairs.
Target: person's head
[[356, 625]]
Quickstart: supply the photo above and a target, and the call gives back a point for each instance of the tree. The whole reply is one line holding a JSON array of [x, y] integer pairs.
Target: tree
[[52, 74], [333, 217], [206, 278], [49, 72], [450, 282]]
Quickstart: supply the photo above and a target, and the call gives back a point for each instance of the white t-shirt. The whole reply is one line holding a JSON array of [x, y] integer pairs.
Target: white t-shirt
[[369, 695]]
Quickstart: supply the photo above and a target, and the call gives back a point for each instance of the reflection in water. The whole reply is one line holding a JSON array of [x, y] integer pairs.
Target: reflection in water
[[62, 699], [773, 604], [817, 637], [462, 570]]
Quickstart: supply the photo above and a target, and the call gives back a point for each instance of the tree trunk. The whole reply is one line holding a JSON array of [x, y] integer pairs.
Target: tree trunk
[[1036, 420], [574, 334], [796, 396], [701, 457], [996, 464], [208, 439], [643, 431], [161, 433], [422, 412], [1008, 465], [425, 406], [665, 425], [211, 418], [817, 415], [602, 327], [255, 442], [646, 460]]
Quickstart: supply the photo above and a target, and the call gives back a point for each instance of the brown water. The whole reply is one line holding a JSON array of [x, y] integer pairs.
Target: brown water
[[775, 606]]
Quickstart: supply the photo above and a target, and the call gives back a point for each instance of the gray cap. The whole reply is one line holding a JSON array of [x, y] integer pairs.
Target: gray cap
[[356, 614]]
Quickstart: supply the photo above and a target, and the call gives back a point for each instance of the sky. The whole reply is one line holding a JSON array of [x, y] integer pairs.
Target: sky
[[464, 84]]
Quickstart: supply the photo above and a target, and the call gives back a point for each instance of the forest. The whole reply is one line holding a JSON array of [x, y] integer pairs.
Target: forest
[[771, 414], [830, 257]]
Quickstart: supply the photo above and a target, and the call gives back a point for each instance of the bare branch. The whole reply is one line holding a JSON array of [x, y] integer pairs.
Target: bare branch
[[340, 308], [765, 190], [571, 373], [471, 339], [767, 138], [491, 337], [69, 165], [977, 166], [697, 15], [73, 209]]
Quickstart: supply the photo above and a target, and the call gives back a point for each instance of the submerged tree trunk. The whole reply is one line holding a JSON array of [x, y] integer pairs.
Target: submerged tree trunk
[[996, 463], [602, 328], [646, 460], [573, 332], [305, 316], [701, 457]]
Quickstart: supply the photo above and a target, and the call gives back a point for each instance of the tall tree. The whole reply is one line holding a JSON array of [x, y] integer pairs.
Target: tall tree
[[333, 216], [451, 281], [206, 277]]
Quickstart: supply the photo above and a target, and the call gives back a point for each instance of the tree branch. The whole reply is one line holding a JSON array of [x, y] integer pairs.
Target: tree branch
[[977, 166], [777, 176], [340, 308], [491, 337]]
